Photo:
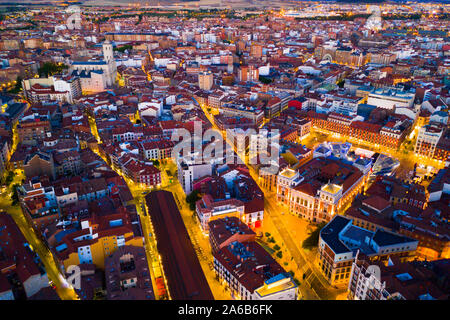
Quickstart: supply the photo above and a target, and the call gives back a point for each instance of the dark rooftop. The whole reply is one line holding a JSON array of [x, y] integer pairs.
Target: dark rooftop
[[185, 276]]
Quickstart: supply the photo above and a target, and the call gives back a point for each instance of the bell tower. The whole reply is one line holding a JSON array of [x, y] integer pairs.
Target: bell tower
[[108, 51]]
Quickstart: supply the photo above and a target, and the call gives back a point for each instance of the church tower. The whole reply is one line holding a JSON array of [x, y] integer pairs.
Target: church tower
[[108, 51], [111, 69]]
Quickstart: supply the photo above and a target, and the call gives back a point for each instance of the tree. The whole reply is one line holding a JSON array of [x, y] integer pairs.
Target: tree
[[280, 254], [17, 86], [123, 48], [9, 178], [341, 83], [155, 163], [51, 68], [265, 80], [276, 247], [192, 198], [15, 195], [313, 238]]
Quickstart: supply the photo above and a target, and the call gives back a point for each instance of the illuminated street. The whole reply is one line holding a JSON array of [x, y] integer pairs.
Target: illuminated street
[[315, 287], [153, 257], [63, 289]]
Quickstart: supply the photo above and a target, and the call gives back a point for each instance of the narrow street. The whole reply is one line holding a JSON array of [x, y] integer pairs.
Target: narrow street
[[153, 257], [63, 289], [319, 288], [37, 243], [315, 287], [199, 240]]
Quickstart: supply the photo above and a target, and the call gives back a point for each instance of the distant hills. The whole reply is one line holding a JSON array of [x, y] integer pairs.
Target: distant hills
[[359, 1]]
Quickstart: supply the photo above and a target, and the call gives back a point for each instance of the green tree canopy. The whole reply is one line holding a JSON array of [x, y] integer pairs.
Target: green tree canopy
[[313, 238], [192, 198], [51, 68]]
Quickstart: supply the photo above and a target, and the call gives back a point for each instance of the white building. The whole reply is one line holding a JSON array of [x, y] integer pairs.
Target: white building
[[150, 108], [59, 88], [135, 61], [205, 80], [427, 140], [391, 98], [188, 171]]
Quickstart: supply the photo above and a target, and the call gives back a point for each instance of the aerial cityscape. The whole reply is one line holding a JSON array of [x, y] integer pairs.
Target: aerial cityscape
[[224, 150]]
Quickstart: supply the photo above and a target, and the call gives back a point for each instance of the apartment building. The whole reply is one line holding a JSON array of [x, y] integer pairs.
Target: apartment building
[[98, 237], [391, 98], [427, 140], [127, 275], [21, 272], [418, 280], [224, 231], [251, 273], [189, 170], [30, 131], [339, 241], [208, 210], [256, 115], [205, 80]]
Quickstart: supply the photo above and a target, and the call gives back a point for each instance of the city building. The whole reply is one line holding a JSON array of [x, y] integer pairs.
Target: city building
[[30, 131], [205, 80], [63, 88], [208, 210], [340, 240], [320, 188], [224, 231], [127, 275], [428, 138], [251, 273], [106, 68], [189, 169], [418, 280], [22, 273], [97, 237], [391, 98]]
